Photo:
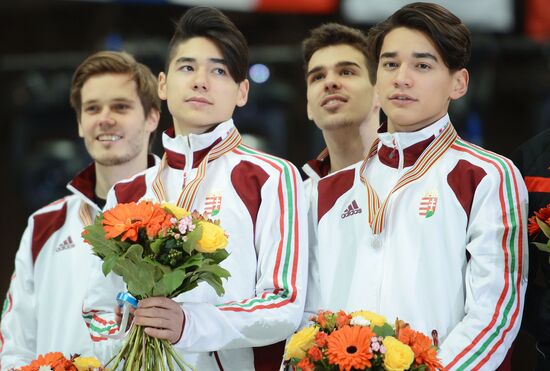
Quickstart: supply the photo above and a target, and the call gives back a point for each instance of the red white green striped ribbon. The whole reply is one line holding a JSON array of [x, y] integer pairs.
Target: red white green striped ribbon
[[189, 191], [377, 210], [85, 214]]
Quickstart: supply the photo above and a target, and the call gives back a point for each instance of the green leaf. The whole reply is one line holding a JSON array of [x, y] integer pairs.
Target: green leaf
[[100, 246], [173, 280], [215, 269], [162, 267], [108, 264], [157, 244], [543, 246], [545, 227], [384, 330], [192, 238], [138, 274], [215, 282], [218, 256], [195, 260]]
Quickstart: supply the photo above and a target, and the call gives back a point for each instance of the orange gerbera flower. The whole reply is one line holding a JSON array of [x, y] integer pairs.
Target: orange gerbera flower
[[406, 335], [421, 345], [125, 220], [54, 360], [159, 220], [349, 347]]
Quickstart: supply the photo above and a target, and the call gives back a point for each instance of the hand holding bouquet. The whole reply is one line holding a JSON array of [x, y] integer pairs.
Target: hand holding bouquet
[[158, 250], [359, 341]]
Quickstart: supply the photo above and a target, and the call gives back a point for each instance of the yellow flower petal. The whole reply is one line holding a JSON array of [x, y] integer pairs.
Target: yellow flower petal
[[300, 343], [177, 211], [398, 356], [373, 318], [213, 237]]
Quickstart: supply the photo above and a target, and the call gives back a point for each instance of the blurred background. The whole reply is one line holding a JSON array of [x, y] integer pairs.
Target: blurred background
[[44, 41]]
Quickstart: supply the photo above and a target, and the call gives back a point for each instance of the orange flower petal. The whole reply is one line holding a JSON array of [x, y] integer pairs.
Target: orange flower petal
[[349, 347]]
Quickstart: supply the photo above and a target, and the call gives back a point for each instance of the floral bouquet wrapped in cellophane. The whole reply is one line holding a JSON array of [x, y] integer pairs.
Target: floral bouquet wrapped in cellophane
[[358, 341], [158, 250], [56, 361]]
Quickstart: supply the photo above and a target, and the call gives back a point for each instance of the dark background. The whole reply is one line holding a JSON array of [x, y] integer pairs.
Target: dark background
[[42, 42]]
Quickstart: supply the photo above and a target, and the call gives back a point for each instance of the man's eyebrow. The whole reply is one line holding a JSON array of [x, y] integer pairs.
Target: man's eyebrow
[[425, 55], [339, 64], [419, 55], [193, 60], [118, 99], [185, 59], [388, 55], [314, 70]]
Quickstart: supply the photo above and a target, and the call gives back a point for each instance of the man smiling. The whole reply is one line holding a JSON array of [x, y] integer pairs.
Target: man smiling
[[117, 110]]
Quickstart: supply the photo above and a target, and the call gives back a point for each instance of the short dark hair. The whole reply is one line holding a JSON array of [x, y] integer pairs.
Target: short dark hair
[[330, 34], [208, 22], [450, 36]]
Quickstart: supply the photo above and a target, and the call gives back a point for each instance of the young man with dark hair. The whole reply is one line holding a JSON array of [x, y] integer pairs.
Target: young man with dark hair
[[340, 103], [441, 239], [117, 109], [259, 202], [339, 95]]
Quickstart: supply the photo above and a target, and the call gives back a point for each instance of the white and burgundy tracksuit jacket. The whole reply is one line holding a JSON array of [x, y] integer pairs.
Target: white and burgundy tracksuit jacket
[[259, 201], [42, 311], [429, 229]]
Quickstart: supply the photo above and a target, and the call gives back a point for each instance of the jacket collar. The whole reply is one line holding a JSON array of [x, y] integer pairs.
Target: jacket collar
[[407, 145], [83, 184], [318, 167], [192, 148]]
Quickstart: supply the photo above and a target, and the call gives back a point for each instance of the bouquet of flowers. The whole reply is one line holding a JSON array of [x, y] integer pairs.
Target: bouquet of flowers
[[540, 222], [360, 341], [159, 250], [56, 361]]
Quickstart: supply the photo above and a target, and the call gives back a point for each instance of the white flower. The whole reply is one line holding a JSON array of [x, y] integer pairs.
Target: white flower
[[359, 321]]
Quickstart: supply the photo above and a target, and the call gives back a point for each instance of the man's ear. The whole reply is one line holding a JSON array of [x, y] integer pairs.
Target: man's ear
[[309, 115], [162, 86], [242, 94], [80, 133], [152, 121], [460, 83]]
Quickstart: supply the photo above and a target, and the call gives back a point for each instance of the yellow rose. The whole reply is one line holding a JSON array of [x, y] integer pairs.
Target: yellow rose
[[373, 318], [178, 212], [86, 363], [213, 238], [301, 342], [398, 356]]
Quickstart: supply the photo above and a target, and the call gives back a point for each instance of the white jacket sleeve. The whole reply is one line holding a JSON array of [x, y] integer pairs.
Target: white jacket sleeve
[[277, 307], [18, 325], [496, 273], [313, 296]]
